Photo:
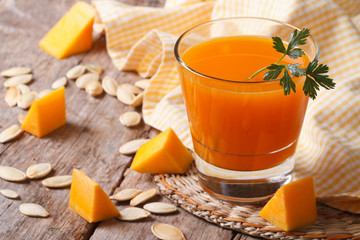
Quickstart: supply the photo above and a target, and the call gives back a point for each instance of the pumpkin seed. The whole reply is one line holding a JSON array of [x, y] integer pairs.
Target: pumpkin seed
[[143, 197], [9, 193], [11, 72], [61, 82], [26, 100], [11, 174], [57, 181], [130, 119], [19, 79], [160, 207], [130, 88], [21, 118], [126, 194], [38, 170], [137, 101], [109, 85], [93, 68], [124, 95], [10, 133], [33, 210], [23, 88], [167, 232], [94, 88], [85, 79], [75, 72], [44, 92], [131, 147], [143, 84], [133, 214], [11, 96]]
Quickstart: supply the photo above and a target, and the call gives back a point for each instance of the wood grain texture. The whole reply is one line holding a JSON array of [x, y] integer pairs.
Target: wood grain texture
[[89, 141]]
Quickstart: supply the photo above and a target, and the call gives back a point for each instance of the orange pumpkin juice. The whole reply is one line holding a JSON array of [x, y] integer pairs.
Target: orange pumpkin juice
[[237, 123]]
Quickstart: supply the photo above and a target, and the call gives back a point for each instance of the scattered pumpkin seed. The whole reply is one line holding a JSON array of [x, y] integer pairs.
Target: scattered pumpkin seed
[[143, 83], [160, 207], [23, 88], [138, 100], [26, 100], [10, 133], [38, 170], [61, 82], [33, 210], [11, 96], [57, 181], [11, 174], [9, 193], [124, 95], [109, 85], [85, 79], [143, 197], [133, 214], [131, 147], [131, 88], [21, 118], [126, 194], [19, 79], [167, 232], [11, 72], [93, 68], [130, 119], [93, 88], [44, 92], [75, 72]]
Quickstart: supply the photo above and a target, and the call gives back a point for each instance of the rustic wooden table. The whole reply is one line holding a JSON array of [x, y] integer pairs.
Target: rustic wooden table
[[89, 141]]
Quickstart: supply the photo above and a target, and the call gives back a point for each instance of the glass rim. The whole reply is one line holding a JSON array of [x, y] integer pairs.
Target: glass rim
[[182, 63]]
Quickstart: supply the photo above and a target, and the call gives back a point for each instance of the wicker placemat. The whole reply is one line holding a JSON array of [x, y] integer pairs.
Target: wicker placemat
[[185, 191]]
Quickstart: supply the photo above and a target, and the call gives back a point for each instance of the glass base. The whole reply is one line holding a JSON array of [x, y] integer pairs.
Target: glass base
[[243, 186]]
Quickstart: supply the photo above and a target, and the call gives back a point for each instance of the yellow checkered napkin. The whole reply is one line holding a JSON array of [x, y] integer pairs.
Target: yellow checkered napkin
[[142, 39]]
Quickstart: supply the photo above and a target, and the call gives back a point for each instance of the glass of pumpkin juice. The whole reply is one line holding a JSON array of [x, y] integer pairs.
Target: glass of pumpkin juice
[[244, 131]]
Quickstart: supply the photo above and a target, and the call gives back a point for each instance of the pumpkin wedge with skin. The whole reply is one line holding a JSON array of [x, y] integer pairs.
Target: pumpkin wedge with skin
[[89, 200], [293, 205]]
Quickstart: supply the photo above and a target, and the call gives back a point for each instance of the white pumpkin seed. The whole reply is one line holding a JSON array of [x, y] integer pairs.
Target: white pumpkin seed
[[131, 88], [143, 197], [11, 72], [38, 170], [130, 119], [109, 85], [138, 100], [11, 174], [33, 210], [44, 92], [20, 79], [143, 84], [11, 96], [133, 214], [167, 232], [61, 82], [93, 88], [126, 194], [23, 88], [26, 100], [9, 193], [160, 207], [21, 118], [57, 181], [94, 68], [75, 72], [85, 79], [124, 95], [131, 147], [10, 133]]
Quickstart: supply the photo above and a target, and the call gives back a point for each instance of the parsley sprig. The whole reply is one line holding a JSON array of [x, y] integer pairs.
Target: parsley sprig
[[316, 74]]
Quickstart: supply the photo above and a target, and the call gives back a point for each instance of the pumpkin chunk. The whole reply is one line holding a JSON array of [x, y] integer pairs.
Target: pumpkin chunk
[[46, 114], [89, 200], [72, 34], [293, 205], [165, 153]]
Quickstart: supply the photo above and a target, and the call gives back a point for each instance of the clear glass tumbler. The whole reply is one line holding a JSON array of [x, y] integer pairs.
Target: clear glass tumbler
[[244, 131]]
